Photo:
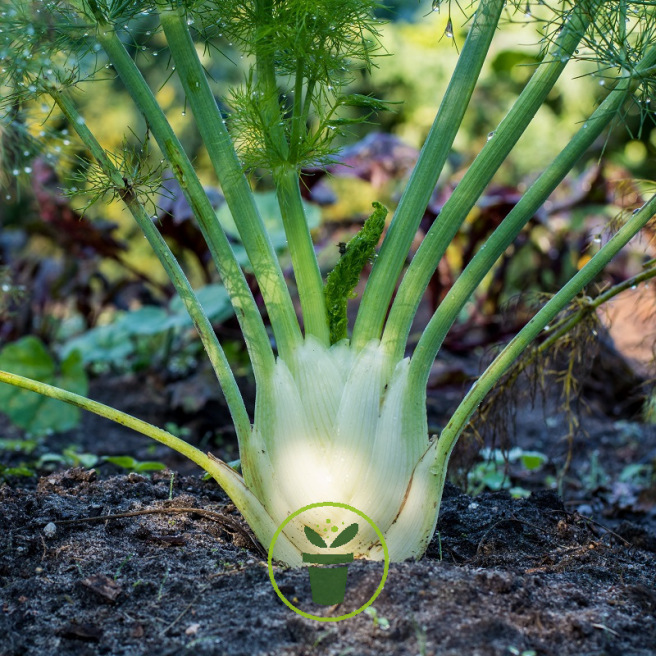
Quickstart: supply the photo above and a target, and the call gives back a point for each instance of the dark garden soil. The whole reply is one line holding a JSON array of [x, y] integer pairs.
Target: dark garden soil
[[182, 574]]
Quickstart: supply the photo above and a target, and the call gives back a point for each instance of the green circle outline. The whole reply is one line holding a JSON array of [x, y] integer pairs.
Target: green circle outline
[[286, 601]]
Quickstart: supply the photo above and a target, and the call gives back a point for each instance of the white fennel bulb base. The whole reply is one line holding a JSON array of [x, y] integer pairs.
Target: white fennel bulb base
[[334, 427]]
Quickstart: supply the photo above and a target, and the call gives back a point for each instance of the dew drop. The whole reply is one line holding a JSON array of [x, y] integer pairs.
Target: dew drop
[[448, 32], [28, 169], [490, 135], [15, 172]]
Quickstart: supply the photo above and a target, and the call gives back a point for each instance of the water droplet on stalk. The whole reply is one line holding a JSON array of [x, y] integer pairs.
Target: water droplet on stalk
[[490, 135], [448, 32]]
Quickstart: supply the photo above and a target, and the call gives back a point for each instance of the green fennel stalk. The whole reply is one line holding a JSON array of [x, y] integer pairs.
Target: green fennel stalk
[[336, 419], [480, 173], [272, 284]]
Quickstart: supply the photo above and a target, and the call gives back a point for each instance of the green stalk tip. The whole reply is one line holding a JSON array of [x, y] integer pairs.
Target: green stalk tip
[[343, 279]]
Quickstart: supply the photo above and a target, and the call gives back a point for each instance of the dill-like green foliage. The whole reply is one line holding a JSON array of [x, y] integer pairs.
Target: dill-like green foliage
[[343, 279], [142, 177], [316, 46]]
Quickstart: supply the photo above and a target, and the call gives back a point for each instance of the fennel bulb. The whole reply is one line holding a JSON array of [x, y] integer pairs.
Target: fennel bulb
[[333, 425]]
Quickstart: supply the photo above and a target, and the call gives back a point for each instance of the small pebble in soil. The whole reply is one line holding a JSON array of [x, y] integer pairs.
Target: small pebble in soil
[[50, 530]]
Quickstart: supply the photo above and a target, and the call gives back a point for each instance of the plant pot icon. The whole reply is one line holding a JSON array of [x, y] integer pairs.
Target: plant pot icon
[[328, 583]]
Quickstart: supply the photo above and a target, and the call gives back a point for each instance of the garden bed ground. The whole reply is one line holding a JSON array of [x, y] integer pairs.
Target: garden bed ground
[[502, 576]]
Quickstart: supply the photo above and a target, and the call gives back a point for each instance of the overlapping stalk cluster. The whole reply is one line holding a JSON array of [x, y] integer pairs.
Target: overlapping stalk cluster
[[337, 419]]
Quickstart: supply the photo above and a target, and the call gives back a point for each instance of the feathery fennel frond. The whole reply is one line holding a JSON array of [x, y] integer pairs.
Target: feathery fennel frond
[[141, 178]]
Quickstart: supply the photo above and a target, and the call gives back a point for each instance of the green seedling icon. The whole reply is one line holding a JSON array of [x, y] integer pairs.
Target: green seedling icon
[[329, 583]]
